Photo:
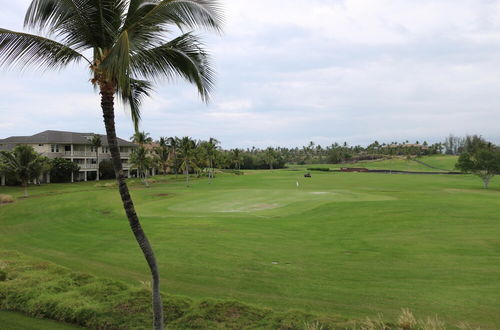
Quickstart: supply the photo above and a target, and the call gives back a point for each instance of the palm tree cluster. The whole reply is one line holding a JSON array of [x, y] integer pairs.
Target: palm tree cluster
[[174, 155]]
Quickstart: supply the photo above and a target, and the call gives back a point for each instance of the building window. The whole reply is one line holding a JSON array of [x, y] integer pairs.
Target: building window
[[93, 161], [54, 148], [105, 150], [67, 148], [40, 145]]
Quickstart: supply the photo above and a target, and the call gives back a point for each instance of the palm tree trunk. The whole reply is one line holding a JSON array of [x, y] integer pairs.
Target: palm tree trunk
[[107, 104], [176, 168], [25, 186], [97, 161], [210, 173]]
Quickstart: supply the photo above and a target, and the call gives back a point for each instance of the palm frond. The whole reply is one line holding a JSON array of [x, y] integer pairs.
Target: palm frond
[[23, 49], [182, 57], [68, 19], [147, 21], [108, 20], [81, 24], [139, 89], [116, 63]]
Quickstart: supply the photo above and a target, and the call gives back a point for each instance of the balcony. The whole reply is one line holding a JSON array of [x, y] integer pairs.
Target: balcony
[[87, 166], [89, 154], [79, 154]]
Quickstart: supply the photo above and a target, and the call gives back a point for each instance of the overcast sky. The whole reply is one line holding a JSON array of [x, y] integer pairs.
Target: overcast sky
[[292, 71]]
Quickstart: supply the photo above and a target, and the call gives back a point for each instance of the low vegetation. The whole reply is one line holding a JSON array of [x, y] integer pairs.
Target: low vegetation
[[4, 199]]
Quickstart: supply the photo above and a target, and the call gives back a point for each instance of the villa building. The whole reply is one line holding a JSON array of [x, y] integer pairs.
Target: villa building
[[72, 146]]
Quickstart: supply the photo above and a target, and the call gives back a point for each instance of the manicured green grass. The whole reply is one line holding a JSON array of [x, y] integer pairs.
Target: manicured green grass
[[18, 321], [350, 244], [397, 163]]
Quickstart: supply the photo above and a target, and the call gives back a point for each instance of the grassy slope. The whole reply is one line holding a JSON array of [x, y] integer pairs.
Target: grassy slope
[[399, 164], [368, 243], [18, 321]]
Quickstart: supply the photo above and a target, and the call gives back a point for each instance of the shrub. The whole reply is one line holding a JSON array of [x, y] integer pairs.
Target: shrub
[[323, 169], [61, 170], [5, 199], [106, 170]]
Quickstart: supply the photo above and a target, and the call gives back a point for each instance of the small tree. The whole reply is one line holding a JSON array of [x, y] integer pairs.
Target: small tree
[[106, 169], [484, 162], [187, 149], [24, 164], [141, 159], [61, 170]]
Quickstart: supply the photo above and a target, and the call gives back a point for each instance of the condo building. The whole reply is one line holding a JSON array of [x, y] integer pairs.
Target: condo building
[[73, 146]]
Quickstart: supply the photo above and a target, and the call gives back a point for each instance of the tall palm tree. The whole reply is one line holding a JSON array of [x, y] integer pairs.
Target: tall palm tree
[[187, 149], [127, 41], [163, 154], [23, 163], [270, 157], [211, 152], [140, 159], [237, 158], [96, 142], [173, 143]]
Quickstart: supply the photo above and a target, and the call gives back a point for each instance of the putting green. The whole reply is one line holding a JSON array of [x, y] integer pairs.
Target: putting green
[[255, 201]]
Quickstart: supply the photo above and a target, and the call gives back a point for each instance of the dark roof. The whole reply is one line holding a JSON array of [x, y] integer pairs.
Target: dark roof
[[60, 137]]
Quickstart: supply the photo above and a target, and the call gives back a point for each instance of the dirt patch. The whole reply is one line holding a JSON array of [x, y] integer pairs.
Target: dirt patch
[[161, 195], [6, 199], [319, 192]]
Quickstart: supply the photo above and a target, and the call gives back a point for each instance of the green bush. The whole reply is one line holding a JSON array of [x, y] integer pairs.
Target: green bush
[[106, 170], [61, 170], [323, 169]]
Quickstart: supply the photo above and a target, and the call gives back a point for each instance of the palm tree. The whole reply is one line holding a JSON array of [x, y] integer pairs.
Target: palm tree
[[270, 157], [173, 143], [96, 142], [127, 40], [187, 148], [163, 154], [237, 158], [25, 164], [140, 159], [141, 138], [210, 149]]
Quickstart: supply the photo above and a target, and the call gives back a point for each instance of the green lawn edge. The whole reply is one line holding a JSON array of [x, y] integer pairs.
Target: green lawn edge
[[42, 289]]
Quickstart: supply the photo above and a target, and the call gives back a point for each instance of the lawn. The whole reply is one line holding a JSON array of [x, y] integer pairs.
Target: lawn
[[437, 163], [350, 244], [12, 320]]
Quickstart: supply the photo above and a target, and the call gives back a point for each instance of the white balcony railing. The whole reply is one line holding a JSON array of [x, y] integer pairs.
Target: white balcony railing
[[87, 166], [90, 154]]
